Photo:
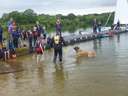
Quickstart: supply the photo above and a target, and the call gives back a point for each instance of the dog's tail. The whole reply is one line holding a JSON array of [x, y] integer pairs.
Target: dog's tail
[[91, 54]]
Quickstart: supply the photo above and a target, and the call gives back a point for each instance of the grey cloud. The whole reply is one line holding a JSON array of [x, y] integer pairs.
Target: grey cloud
[[8, 5]]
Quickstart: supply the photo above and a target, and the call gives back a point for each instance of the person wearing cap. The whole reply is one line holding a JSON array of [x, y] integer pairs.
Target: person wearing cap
[[57, 43]]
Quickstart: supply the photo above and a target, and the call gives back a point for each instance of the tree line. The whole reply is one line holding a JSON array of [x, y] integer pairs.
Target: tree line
[[70, 22]]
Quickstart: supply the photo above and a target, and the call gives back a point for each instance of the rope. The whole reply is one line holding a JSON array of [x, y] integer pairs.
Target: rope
[[108, 19]]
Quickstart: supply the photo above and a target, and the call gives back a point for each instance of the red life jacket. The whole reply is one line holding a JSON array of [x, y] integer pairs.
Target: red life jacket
[[35, 33], [39, 47]]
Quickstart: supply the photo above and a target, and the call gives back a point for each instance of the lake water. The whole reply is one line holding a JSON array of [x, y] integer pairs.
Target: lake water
[[104, 75]]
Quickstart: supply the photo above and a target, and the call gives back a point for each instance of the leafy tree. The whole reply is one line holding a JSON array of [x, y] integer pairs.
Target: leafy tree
[[70, 22]]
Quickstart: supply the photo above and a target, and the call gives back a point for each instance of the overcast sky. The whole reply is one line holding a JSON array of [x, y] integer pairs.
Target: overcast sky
[[58, 6]]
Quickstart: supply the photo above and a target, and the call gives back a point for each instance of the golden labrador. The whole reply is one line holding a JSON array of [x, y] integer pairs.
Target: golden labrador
[[81, 53]]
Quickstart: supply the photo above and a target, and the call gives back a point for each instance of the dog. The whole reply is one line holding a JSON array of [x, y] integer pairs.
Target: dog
[[82, 53]]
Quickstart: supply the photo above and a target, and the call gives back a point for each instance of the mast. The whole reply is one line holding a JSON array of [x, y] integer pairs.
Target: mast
[[121, 13]]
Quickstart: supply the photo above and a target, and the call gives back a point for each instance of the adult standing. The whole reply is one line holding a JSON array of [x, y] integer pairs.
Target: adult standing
[[10, 25], [1, 34], [30, 40], [11, 49], [95, 26], [99, 26], [39, 29], [58, 42], [39, 47], [58, 26], [15, 37], [118, 25]]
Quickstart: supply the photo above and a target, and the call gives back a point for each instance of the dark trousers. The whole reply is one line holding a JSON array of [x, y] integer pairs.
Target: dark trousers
[[58, 51], [99, 29], [1, 54], [1, 38], [58, 31], [15, 42], [95, 30], [30, 45], [35, 38]]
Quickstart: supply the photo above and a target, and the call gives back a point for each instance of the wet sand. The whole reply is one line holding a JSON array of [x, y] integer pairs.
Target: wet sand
[[104, 75]]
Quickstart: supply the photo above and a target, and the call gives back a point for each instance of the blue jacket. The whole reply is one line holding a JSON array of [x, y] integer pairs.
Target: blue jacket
[[15, 34], [40, 29]]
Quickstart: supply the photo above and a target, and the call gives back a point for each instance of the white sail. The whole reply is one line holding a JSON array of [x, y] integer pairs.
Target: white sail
[[121, 12]]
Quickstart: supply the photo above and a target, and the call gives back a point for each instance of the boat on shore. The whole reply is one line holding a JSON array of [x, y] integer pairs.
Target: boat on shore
[[77, 38]]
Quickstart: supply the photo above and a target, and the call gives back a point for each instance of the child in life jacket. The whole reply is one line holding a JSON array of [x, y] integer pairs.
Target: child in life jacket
[[40, 43], [39, 48]]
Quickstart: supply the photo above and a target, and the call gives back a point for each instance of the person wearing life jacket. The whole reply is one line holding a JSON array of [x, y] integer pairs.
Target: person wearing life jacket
[[57, 43], [39, 46]]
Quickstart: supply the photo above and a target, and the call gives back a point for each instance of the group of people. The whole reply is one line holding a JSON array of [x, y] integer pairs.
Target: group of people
[[36, 39], [96, 26]]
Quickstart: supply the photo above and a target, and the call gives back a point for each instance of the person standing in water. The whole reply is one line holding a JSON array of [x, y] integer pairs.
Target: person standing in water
[[99, 25], [95, 26], [57, 43], [118, 25], [1, 33], [40, 47], [30, 40]]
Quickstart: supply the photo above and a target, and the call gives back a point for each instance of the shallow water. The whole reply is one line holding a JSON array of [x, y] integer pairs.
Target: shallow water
[[104, 75]]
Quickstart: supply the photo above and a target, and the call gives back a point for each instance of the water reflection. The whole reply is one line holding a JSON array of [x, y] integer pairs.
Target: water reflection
[[118, 38], [59, 79], [97, 44], [10, 66], [105, 74]]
